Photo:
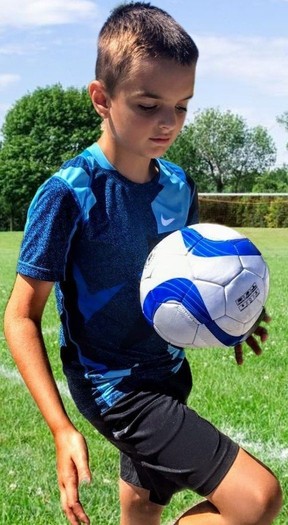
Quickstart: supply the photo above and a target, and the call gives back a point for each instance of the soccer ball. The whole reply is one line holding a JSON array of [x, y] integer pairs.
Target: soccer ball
[[203, 286]]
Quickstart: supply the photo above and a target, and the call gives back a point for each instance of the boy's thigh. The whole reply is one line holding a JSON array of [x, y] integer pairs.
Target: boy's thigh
[[166, 446], [249, 491]]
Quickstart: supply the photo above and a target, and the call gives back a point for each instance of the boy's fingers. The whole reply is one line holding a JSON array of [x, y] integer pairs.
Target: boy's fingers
[[73, 470], [238, 354], [262, 332], [253, 343], [266, 317], [71, 504], [82, 465]]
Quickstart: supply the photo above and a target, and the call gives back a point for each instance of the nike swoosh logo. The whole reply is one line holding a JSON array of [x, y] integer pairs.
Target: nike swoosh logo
[[166, 222]]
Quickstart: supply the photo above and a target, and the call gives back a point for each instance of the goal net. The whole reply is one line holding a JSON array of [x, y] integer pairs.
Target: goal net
[[265, 210]]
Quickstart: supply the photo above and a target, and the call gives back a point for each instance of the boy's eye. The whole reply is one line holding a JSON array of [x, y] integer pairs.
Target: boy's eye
[[181, 109], [147, 108]]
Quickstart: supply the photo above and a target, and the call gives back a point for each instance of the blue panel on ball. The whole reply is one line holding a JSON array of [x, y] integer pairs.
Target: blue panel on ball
[[185, 292], [203, 247]]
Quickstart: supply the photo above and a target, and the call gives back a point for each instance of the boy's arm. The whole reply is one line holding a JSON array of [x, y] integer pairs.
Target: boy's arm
[[22, 326]]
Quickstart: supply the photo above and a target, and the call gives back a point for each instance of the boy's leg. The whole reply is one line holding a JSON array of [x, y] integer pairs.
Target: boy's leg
[[174, 448], [136, 509], [249, 494]]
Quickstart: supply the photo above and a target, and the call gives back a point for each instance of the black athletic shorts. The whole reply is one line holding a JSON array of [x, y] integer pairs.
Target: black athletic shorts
[[164, 445]]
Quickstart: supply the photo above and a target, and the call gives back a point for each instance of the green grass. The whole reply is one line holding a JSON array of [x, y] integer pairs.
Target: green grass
[[249, 401]]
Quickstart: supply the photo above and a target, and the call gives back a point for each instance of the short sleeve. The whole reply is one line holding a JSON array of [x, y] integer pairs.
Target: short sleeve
[[51, 221]]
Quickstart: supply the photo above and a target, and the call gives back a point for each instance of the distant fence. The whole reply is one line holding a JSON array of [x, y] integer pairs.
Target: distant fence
[[266, 210]]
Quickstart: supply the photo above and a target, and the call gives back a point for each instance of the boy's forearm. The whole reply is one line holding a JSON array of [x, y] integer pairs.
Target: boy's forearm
[[27, 347], [24, 338]]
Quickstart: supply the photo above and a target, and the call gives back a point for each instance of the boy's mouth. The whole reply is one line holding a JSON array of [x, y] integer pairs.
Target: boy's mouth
[[160, 140]]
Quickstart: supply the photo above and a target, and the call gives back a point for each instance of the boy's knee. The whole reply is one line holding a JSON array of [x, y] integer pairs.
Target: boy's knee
[[136, 500], [250, 494], [273, 499], [267, 504]]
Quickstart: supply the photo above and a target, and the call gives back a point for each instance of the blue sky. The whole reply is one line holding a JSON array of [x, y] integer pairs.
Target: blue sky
[[243, 47]]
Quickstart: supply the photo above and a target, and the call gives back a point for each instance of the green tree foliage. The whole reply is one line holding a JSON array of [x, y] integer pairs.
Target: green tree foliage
[[184, 153], [40, 132], [283, 119], [273, 181], [222, 153]]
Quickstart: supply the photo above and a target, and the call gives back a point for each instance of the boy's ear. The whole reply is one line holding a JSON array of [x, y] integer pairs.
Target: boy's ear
[[99, 97]]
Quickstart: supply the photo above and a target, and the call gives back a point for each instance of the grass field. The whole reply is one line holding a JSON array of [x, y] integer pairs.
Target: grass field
[[249, 402]]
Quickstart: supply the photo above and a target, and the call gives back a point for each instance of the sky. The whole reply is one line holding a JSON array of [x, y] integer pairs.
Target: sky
[[243, 45]]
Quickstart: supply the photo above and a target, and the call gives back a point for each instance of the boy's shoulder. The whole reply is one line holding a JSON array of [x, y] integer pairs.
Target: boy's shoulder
[[78, 173], [172, 169], [176, 173], [86, 162], [73, 179]]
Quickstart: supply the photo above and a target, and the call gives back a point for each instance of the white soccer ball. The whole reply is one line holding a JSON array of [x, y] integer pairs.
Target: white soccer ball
[[203, 286]]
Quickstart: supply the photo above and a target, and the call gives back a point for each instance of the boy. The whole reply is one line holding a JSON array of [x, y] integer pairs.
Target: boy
[[90, 228]]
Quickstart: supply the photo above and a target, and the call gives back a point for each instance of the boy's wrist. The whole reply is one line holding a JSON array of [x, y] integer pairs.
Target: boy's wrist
[[62, 426]]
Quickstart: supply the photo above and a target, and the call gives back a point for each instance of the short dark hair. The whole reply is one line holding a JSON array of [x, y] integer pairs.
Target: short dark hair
[[138, 30]]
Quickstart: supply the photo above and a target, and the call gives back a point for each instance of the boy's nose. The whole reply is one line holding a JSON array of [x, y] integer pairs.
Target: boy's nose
[[167, 119]]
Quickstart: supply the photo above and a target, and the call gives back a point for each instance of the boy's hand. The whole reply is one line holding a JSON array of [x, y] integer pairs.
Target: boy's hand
[[251, 341], [73, 469]]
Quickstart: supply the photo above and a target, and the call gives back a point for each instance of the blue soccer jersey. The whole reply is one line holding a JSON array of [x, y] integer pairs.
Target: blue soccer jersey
[[89, 230]]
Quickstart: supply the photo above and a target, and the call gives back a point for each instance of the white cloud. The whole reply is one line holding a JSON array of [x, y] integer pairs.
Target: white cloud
[[268, 121], [8, 49], [259, 61], [20, 49], [23, 13], [6, 79]]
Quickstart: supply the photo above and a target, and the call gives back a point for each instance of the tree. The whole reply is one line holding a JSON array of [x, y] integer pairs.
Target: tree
[[184, 153], [274, 181], [283, 119], [40, 132], [222, 151]]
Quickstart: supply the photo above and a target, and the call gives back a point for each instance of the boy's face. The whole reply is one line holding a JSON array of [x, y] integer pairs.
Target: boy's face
[[148, 109]]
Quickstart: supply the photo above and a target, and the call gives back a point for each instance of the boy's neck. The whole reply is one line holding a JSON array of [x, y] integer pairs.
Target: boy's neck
[[134, 168]]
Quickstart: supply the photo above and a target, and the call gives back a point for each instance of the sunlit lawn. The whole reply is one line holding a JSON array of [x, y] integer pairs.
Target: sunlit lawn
[[250, 402]]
